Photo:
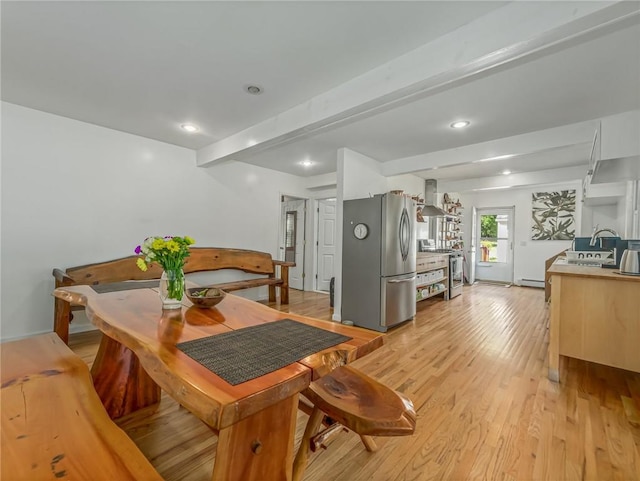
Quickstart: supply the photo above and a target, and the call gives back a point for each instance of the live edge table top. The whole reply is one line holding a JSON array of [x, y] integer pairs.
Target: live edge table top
[[135, 319]]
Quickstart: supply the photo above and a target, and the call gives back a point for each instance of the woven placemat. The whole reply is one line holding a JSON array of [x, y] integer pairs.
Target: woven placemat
[[124, 286], [251, 352]]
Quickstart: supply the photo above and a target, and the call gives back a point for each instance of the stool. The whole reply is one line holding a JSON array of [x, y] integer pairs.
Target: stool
[[353, 400]]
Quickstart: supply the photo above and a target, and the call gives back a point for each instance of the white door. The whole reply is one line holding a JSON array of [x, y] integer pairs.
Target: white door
[[494, 241], [326, 246], [293, 222], [474, 247]]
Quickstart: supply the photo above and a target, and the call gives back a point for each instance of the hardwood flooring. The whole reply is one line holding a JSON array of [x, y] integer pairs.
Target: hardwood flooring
[[475, 368]]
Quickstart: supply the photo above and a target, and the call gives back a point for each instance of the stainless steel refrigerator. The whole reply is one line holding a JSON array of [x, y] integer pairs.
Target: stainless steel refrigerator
[[379, 261]]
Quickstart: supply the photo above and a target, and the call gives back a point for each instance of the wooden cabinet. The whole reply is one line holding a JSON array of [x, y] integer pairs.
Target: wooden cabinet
[[432, 276], [595, 316]]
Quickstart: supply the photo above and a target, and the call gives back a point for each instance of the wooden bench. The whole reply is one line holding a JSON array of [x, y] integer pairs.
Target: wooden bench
[[201, 259], [352, 400], [53, 423]]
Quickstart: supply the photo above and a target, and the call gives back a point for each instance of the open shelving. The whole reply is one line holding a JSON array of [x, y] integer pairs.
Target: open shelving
[[432, 277], [451, 226]]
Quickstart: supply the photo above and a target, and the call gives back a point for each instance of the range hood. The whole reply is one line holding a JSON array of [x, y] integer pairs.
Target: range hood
[[431, 209]]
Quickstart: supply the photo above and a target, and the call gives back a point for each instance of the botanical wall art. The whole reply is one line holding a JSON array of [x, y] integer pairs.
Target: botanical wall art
[[552, 215]]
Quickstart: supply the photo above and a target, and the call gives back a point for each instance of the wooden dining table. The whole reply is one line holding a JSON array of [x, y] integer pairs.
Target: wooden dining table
[[255, 420]]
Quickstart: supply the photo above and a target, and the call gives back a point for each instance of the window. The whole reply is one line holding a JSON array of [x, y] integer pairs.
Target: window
[[290, 236], [494, 238]]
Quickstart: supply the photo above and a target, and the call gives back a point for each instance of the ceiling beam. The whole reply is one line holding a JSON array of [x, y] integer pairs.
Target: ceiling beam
[[518, 30], [524, 179], [534, 142]]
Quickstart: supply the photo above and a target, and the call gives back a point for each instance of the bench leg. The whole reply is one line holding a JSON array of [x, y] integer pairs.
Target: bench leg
[[120, 381], [369, 444], [284, 288], [61, 319], [272, 293], [284, 295]]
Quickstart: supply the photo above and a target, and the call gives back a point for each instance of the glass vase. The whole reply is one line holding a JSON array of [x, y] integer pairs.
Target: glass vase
[[172, 288]]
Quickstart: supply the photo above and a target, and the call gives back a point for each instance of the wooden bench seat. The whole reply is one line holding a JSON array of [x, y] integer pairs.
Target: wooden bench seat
[[357, 402], [53, 423], [273, 273]]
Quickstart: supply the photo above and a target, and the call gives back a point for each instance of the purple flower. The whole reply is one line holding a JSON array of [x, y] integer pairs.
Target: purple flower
[[138, 250]]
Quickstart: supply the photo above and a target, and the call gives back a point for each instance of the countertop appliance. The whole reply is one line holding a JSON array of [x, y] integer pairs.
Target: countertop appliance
[[630, 263], [379, 261]]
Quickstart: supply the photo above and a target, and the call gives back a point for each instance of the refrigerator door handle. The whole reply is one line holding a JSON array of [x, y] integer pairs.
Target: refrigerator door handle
[[404, 234], [396, 281]]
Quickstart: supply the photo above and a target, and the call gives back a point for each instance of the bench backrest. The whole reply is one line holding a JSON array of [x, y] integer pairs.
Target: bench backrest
[[200, 259]]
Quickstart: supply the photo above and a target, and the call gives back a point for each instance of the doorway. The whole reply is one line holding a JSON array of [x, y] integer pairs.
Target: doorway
[[326, 244], [494, 244], [292, 238]]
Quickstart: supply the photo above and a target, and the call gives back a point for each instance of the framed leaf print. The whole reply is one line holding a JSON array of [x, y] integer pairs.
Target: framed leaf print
[[553, 215]]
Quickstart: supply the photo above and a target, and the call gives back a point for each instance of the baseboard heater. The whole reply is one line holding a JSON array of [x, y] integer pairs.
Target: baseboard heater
[[531, 283]]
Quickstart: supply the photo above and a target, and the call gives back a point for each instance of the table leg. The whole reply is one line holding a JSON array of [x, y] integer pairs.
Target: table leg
[[259, 447], [120, 381], [554, 330]]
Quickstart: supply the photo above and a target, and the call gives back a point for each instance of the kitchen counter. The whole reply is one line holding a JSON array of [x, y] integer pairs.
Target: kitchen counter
[[594, 316], [562, 267]]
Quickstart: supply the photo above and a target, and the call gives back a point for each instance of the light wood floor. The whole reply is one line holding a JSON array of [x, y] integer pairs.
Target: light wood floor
[[475, 368]]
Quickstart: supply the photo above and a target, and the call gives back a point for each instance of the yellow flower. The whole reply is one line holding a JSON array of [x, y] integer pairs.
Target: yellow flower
[[158, 244], [141, 264], [189, 240], [173, 246]]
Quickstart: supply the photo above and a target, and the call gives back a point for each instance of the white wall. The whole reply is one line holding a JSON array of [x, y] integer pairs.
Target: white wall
[[75, 193], [411, 184], [529, 255], [603, 216], [361, 176]]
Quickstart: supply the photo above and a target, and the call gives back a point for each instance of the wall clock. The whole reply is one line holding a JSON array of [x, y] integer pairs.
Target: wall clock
[[361, 231]]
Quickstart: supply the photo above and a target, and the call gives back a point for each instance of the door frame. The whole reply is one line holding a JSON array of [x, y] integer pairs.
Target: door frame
[[282, 198], [478, 211]]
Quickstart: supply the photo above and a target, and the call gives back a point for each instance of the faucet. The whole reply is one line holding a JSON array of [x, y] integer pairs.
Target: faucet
[[597, 232]]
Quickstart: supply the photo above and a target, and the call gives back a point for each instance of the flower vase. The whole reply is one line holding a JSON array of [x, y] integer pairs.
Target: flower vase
[[172, 288]]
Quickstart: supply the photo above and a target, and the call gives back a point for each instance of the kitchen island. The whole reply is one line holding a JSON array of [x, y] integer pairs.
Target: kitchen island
[[594, 316]]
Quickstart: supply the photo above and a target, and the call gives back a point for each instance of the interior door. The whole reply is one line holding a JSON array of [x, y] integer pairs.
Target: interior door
[[473, 247], [293, 222], [326, 246], [494, 241]]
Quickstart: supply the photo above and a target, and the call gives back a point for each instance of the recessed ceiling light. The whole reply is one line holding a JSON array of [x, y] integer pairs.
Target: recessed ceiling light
[[460, 124], [253, 89], [306, 163], [506, 172], [189, 128]]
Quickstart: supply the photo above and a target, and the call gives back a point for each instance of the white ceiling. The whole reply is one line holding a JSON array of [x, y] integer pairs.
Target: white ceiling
[[147, 67]]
